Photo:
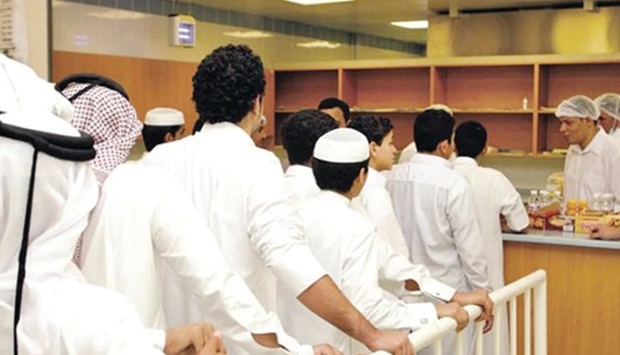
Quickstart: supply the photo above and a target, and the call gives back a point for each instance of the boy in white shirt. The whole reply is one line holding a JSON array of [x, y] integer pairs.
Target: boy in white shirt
[[493, 195]]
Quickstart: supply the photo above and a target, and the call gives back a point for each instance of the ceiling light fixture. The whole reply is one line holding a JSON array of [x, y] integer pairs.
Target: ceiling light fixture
[[316, 2], [248, 34], [319, 44], [411, 25]]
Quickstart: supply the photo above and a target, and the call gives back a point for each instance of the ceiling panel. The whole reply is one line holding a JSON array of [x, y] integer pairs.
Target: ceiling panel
[[372, 16]]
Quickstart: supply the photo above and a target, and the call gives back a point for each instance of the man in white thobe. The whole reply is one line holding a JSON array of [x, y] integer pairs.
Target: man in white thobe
[[162, 125], [345, 243], [299, 135], [609, 105], [493, 196], [60, 314], [434, 208], [145, 239], [593, 161], [239, 189]]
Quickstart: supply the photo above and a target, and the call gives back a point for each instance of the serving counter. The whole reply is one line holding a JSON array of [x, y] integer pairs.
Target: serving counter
[[583, 288]]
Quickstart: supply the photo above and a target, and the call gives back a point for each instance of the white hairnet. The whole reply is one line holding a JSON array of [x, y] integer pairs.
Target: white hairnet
[[610, 104], [578, 106]]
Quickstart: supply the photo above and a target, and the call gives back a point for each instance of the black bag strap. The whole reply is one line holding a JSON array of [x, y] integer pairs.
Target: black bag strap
[[92, 79], [61, 147]]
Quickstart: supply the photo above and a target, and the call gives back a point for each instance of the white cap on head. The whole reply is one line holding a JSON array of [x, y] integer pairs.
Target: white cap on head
[[578, 106], [164, 116], [342, 145]]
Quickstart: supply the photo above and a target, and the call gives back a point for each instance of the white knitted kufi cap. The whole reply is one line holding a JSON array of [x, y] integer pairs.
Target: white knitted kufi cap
[[164, 116], [342, 145]]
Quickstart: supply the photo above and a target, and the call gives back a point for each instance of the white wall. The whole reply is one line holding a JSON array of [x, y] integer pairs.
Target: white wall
[[36, 12]]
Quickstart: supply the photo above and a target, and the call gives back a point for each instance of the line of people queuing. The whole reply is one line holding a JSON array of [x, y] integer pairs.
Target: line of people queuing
[[344, 251]]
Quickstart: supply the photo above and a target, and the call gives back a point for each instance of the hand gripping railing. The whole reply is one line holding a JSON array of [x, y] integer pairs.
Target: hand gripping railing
[[432, 334]]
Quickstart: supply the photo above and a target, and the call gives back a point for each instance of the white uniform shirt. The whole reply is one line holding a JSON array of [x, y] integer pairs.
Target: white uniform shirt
[[239, 189], [145, 223], [345, 243], [595, 169], [493, 195], [376, 200], [434, 208], [300, 183]]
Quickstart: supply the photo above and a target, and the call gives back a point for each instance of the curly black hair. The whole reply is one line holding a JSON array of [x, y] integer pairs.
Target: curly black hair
[[375, 128], [300, 132], [226, 83]]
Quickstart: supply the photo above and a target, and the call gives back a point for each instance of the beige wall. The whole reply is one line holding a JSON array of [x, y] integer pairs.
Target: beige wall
[[37, 33], [102, 30]]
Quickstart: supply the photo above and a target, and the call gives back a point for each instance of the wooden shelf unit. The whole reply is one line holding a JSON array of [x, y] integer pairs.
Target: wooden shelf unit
[[489, 91]]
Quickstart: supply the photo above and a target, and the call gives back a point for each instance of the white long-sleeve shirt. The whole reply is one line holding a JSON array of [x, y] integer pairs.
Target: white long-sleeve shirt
[[434, 208], [345, 243], [239, 190], [595, 169], [145, 223], [493, 195]]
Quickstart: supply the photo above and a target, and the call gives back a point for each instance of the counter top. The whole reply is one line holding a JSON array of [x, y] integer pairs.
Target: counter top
[[560, 238]]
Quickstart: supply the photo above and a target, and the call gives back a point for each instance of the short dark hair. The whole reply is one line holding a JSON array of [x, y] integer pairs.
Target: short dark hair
[[470, 139], [375, 128], [300, 132], [332, 102], [432, 127], [226, 83], [154, 135], [338, 177]]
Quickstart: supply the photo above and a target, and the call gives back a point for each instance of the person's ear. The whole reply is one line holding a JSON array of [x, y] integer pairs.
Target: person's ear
[[168, 137], [443, 146], [373, 149], [257, 105]]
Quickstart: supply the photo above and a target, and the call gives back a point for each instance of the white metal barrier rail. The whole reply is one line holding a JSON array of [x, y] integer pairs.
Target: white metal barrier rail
[[432, 334]]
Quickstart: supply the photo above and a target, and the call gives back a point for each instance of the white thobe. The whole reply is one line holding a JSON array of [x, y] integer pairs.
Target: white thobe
[[434, 208], [345, 243], [595, 169], [377, 202], [493, 195], [145, 223], [239, 190], [300, 183], [60, 313], [394, 268], [407, 153]]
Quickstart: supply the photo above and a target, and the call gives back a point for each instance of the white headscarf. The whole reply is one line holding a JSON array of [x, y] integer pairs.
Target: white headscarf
[[60, 314], [21, 88]]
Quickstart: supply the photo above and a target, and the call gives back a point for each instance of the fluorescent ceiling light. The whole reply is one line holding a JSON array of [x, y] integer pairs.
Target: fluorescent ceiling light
[[316, 2], [412, 25], [118, 15], [249, 34], [319, 44]]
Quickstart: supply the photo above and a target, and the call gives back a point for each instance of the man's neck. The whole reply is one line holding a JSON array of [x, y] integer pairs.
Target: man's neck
[[591, 134], [435, 153]]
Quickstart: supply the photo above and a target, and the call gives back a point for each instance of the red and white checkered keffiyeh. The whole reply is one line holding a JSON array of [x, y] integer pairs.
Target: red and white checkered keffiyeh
[[110, 119]]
